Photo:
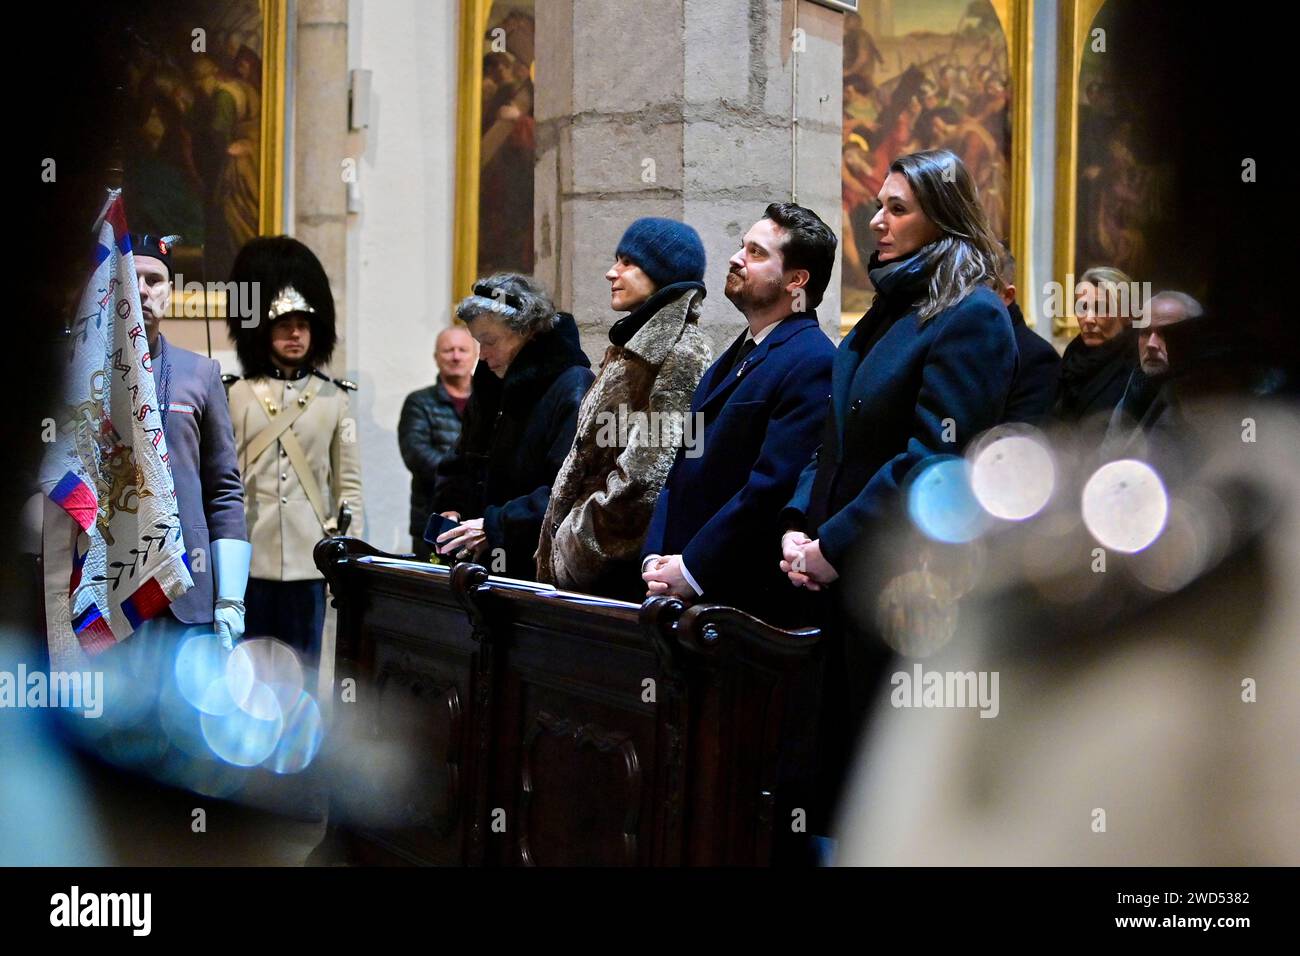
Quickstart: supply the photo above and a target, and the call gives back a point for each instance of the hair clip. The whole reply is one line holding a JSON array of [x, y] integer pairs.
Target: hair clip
[[499, 295]]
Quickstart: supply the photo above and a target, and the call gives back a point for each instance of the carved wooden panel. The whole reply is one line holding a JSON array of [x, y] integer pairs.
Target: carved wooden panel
[[580, 795]]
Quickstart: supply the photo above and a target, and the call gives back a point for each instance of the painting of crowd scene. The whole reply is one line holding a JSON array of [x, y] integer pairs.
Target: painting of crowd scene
[[1126, 163], [506, 145], [920, 75], [192, 112]]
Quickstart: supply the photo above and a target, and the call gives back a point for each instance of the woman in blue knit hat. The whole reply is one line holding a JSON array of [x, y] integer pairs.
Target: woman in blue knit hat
[[635, 417]]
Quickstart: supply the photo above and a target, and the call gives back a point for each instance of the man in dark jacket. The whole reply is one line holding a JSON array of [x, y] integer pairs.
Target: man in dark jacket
[[714, 531], [518, 427], [430, 423], [1147, 421], [1033, 390]]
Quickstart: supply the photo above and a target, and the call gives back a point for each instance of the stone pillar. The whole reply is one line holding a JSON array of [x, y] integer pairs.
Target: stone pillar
[[320, 137], [680, 108]]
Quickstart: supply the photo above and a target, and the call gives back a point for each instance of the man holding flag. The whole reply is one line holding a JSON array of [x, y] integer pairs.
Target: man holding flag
[[201, 451], [114, 532]]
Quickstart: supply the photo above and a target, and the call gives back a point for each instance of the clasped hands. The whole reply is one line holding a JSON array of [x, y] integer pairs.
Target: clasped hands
[[801, 560], [803, 563], [663, 574]]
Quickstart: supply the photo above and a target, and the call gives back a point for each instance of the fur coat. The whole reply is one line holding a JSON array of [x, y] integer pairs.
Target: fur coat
[[605, 492]]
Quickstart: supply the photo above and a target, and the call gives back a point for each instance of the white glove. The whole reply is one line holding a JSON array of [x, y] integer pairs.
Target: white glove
[[228, 620], [230, 561]]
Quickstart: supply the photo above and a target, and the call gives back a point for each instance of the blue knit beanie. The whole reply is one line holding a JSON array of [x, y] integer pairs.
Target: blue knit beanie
[[666, 250]]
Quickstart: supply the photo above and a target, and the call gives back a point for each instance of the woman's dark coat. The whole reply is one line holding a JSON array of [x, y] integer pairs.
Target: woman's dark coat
[[902, 391], [516, 433], [922, 389]]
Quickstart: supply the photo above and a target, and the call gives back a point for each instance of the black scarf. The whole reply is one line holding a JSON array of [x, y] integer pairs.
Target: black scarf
[[1089, 370], [622, 331], [898, 285]]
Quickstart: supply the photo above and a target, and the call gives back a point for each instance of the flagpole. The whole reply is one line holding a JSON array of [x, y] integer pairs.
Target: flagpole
[[115, 172]]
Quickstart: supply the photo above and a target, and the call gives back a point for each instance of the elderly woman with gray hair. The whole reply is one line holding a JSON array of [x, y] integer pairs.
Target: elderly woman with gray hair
[[518, 425]]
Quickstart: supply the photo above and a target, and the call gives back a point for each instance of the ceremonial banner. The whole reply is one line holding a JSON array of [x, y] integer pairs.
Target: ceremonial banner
[[114, 554]]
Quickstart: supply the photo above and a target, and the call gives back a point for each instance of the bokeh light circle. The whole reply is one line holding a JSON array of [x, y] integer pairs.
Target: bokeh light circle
[[941, 503], [248, 734], [1013, 477], [263, 661], [1125, 505], [301, 737], [200, 661]]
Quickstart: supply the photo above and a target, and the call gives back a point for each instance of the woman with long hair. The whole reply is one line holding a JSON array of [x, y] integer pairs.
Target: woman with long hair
[[925, 371], [922, 373]]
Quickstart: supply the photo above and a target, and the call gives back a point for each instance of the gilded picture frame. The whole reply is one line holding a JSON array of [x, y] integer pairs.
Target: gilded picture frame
[[1075, 20], [494, 153]]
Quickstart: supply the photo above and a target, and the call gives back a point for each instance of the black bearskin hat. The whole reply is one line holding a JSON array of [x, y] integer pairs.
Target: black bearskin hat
[[276, 263]]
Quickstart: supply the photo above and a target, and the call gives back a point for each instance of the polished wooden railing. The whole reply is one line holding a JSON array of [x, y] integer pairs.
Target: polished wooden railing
[[514, 724]]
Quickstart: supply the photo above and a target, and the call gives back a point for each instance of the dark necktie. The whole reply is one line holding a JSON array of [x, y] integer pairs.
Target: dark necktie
[[741, 353]]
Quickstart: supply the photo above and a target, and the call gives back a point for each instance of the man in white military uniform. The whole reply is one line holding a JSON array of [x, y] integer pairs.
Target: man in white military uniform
[[295, 439]]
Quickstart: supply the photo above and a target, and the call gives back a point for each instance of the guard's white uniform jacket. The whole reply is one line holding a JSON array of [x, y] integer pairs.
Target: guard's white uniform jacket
[[283, 525]]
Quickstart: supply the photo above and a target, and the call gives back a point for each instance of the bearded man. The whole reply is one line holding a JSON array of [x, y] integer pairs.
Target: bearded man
[[763, 404]]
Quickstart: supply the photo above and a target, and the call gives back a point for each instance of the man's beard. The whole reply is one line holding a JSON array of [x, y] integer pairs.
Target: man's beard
[[748, 298]]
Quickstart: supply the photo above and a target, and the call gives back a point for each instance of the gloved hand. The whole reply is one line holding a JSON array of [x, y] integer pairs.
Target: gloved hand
[[228, 621], [230, 562]]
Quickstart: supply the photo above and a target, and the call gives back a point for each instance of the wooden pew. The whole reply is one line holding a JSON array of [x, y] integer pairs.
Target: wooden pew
[[532, 726]]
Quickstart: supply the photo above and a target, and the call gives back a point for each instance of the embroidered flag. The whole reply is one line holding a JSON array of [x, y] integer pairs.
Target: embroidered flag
[[114, 554]]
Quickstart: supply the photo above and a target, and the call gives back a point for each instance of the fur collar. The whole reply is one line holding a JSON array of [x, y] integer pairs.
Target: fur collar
[[674, 307], [539, 363]]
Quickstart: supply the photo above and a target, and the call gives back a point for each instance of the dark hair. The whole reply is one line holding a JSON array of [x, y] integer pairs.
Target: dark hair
[[809, 244], [270, 264]]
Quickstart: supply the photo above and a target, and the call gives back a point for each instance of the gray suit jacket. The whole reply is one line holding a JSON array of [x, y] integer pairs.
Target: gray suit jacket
[[201, 449]]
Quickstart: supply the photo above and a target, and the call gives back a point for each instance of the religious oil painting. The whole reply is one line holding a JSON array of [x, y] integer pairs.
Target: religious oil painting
[[201, 118], [1127, 188], [921, 74], [497, 137]]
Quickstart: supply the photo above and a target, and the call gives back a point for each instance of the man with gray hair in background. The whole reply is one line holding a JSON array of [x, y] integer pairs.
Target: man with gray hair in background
[[430, 423], [1148, 408]]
